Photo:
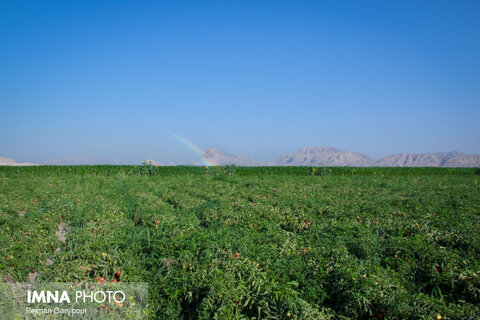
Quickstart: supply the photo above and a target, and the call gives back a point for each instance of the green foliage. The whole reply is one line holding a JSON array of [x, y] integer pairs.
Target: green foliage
[[322, 171], [258, 244], [146, 169], [221, 171], [111, 170]]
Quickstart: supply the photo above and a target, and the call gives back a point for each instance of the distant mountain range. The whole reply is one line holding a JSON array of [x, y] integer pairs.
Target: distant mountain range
[[440, 159], [323, 156]]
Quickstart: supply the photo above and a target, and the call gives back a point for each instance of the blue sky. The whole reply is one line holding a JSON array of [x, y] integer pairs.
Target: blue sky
[[109, 81]]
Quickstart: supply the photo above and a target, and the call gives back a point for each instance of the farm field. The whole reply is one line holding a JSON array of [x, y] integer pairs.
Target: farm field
[[253, 243]]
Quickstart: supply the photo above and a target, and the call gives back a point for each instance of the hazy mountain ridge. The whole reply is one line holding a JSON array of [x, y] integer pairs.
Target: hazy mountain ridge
[[13, 163], [324, 156], [328, 156], [321, 156], [439, 159]]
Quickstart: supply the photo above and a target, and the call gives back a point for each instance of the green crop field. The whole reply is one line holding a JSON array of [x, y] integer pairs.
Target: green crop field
[[253, 243]]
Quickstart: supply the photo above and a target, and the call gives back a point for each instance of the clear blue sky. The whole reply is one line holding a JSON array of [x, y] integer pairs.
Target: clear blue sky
[[108, 81]]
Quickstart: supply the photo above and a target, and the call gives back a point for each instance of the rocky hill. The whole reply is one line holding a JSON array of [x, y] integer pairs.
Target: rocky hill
[[440, 159], [323, 156]]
